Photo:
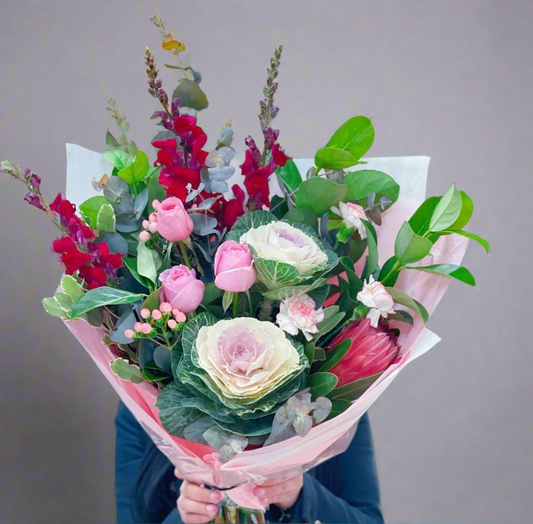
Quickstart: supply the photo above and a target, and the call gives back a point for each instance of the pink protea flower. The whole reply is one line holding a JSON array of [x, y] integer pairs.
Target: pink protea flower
[[372, 351], [299, 314]]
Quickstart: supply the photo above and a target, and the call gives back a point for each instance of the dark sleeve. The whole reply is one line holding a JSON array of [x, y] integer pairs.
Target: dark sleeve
[[130, 448], [345, 488]]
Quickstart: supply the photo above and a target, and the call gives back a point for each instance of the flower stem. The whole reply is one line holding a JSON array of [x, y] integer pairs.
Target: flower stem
[[265, 312], [393, 270], [235, 304], [185, 255]]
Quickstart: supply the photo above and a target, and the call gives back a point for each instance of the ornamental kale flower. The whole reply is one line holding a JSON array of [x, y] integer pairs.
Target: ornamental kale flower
[[246, 358], [281, 242], [237, 372]]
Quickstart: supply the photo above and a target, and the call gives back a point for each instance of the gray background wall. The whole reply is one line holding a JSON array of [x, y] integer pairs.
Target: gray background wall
[[454, 433]]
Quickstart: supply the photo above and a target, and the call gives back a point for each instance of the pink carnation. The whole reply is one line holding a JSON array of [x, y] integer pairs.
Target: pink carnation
[[299, 314]]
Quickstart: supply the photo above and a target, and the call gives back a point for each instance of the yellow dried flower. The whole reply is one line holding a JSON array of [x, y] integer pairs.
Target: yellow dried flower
[[171, 44]]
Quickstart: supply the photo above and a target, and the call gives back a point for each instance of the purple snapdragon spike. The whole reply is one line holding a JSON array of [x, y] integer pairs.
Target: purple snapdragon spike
[[254, 150], [175, 107], [35, 181], [33, 200], [271, 135]]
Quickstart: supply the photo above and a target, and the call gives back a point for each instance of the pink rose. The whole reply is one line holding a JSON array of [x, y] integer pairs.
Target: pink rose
[[234, 270], [173, 222], [181, 288]]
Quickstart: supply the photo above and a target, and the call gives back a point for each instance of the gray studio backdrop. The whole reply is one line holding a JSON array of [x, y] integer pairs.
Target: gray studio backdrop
[[452, 80]]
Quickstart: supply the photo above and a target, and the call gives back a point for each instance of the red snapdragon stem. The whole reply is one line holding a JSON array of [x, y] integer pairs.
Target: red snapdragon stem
[[372, 351]]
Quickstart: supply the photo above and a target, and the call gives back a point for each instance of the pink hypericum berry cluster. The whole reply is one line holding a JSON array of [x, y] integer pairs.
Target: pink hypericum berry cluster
[[163, 321], [150, 225]]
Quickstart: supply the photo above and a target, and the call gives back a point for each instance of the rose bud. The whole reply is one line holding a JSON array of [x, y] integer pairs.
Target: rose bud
[[173, 222], [234, 269], [372, 351], [181, 288]]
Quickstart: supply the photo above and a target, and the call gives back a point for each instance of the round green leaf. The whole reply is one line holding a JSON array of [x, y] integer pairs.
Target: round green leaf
[[364, 182], [319, 194], [347, 145]]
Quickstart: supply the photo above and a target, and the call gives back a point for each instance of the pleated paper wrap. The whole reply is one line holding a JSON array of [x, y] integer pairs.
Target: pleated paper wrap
[[196, 461]]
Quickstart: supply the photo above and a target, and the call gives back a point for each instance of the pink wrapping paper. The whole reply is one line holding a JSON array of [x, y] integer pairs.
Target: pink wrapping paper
[[199, 463]]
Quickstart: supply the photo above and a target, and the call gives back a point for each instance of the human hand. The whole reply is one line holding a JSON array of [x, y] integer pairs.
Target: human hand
[[196, 504], [283, 492]]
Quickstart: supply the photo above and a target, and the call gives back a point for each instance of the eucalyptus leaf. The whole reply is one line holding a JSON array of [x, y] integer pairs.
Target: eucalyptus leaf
[[115, 189], [140, 203], [194, 432], [125, 321], [124, 206], [203, 223], [127, 223], [162, 358], [116, 242], [111, 141], [190, 94]]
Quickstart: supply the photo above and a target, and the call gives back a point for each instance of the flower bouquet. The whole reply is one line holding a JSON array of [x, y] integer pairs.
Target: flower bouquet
[[248, 328]]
